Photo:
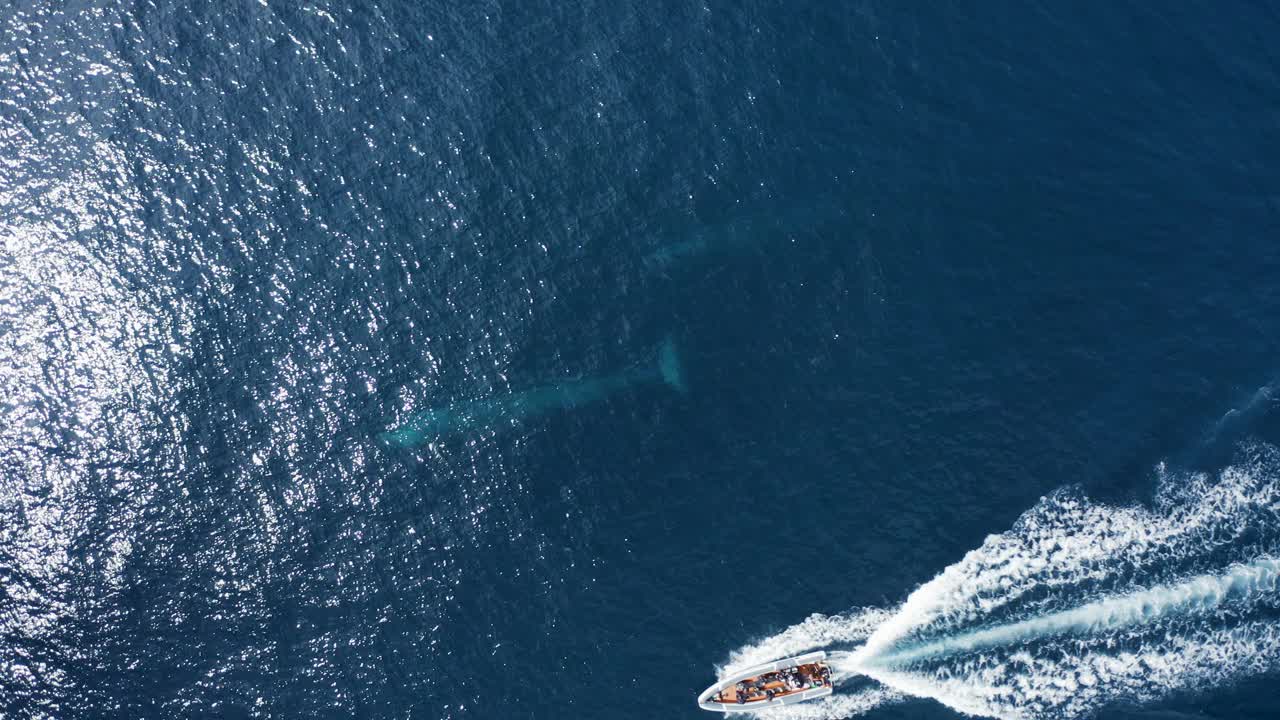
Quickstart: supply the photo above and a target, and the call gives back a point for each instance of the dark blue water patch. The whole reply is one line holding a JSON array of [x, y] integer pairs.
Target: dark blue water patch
[[983, 253]]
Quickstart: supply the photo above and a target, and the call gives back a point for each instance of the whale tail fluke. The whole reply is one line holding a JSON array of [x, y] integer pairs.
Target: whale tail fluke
[[669, 365]]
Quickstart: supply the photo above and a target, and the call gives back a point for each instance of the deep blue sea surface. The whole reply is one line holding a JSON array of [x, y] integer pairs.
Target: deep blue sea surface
[[529, 359]]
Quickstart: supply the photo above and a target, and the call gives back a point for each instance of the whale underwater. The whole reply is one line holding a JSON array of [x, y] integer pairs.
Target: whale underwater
[[438, 422]]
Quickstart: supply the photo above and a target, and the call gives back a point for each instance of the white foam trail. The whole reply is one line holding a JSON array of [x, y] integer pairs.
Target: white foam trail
[[817, 631], [835, 707], [1078, 605], [1067, 547], [1023, 685], [1198, 595]]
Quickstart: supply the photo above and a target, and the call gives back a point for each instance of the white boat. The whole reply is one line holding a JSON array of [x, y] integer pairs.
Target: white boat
[[782, 682]]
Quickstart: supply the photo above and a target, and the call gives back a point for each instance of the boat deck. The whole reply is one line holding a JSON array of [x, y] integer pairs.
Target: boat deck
[[775, 685]]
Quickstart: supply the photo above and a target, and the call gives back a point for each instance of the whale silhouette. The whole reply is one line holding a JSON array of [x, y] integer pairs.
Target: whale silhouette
[[744, 234], [437, 422]]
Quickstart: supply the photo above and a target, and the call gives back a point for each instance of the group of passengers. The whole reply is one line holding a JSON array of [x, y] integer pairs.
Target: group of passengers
[[804, 677], [791, 679]]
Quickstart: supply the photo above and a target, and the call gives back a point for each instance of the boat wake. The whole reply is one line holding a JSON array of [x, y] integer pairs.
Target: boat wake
[[1078, 606]]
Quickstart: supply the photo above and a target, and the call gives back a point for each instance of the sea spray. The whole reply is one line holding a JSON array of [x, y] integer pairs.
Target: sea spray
[[1067, 680], [817, 631], [835, 707], [1082, 604], [1202, 594]]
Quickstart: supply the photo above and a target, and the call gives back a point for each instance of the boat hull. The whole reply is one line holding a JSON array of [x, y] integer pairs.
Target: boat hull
[[765, 686]]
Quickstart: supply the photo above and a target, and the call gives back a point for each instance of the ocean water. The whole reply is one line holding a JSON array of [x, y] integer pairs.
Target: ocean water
[[542, 360]]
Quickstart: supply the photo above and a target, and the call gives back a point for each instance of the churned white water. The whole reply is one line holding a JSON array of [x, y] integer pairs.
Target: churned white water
[[1080, 604]]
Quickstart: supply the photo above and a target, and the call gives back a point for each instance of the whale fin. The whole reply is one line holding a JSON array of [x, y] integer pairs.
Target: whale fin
[[669, 365]]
